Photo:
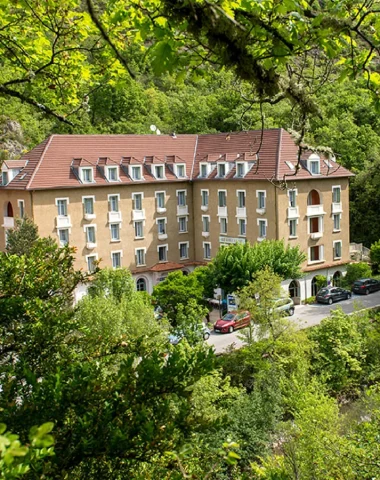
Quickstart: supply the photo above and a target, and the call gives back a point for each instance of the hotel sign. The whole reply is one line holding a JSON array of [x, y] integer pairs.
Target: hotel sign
[[230, 240]]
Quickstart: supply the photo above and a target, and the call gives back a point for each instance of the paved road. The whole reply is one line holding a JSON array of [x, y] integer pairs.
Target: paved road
[[304, 316]]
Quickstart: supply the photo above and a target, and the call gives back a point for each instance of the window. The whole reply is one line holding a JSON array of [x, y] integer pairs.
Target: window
[[160, 196], [141, 285], [337, 246], [112, 174], [242, 227], [223, 226], [116, 259], [5, 178], [222, 198], [21, 206], [161, 226], [204, 194], [136, 172], [336, 218], [221, 169], [91, 262], [336, 194], [204, 170], [316, 253], [293, 228], [182, 221], [87, 175], [140, 256], [181, 198], [63, 236], [162, 253], [292, 198], [206, 250], [262, 228], [261, 197], [314, 167], [90, 234], [113, 203], [88, 205], [139, 229], [205, 223], [159, 171], [181, 171], [115, 232], [240, 169], [184, 250], [241, 198], [62, 207], [137, 201]]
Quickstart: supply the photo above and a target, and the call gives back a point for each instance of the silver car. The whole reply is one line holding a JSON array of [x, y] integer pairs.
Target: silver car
[[285, 305]]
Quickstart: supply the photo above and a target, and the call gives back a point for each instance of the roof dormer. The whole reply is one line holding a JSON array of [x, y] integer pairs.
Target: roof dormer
[[314, 164]]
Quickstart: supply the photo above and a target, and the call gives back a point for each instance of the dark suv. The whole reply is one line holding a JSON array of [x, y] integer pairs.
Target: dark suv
[[364, 286]]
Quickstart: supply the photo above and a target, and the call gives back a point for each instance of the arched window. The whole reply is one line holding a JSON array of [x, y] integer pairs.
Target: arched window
[[337, 278], [314, 287], [9, 210], [141, 285], [294, 289], [313, 198]]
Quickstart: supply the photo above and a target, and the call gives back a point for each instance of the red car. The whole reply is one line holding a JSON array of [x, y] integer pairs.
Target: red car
[[232, 321]]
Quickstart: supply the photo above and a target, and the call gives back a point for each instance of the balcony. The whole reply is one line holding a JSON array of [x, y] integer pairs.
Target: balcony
[[222, 211], [90, 245], [204, 208], [89, 216], [241, 212], [314, 210], [162, 236], [316, 235], [182, 210], [9, 222], [138, 215], [336, 207], [114, 217], [293, 212], [205, 234], [63, 221], [161, 209]]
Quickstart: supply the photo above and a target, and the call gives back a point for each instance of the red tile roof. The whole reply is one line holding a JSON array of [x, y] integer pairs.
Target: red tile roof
[[52, 163], [322, 265]]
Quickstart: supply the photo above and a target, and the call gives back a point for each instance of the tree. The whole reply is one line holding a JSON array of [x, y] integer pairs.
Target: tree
[[22, 237], [118, 284], [234, 266], [375, 255], [354, 271]]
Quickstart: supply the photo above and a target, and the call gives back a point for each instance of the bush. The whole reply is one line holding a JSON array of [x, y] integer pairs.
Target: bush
[[309, 301], [375, 256], [355, 271]]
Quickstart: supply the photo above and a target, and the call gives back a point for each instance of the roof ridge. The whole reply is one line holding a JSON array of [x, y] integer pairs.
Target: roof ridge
[[39, 162]]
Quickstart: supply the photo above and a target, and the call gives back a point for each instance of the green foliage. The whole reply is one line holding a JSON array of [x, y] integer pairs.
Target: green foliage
[[321, 281], [22, 237], [234, 266], [356, 271], [117, 284], [375, 255], [309, 300]]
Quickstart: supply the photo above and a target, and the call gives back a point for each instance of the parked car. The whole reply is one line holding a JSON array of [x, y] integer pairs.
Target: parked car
[[174, 339], [332, 294], [285, 305], [364, 286], [232, 321]]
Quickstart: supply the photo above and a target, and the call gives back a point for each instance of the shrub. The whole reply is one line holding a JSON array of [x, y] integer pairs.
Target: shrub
[[375, 256], [309, 300], [321, 281], [355, 271]]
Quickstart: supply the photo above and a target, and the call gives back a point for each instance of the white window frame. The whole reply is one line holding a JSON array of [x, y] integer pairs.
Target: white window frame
[[221, 223], [177, 195], [333, 189], [225, 194], [295, 190], [59, 235], [114, 240], [88, 256], [244, 165], [90, 197], [159, 221], [120, 252], [320, 224], [261, 209], [220, 164], [142, 228], [140, 264], [157, 194], [339, 215], [134, 195], [204, 250], [163, 172], [240, 222], [109, 202], [238, 193], [260, 220], [203, 164], [21, 209], [183, 165], [67, 205], [206, 217], [290, 221], [139, 167], [187, 250], [166, 246], [86, 228], [314, 159], [207, 192], [335, 242], [112, 167], [186, 223], [81, 171], [321, 255]]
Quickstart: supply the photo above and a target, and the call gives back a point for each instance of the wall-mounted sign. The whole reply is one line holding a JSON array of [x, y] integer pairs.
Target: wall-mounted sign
[[230, 240]]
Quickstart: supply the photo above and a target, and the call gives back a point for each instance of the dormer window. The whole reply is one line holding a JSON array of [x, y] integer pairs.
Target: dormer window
[[112, 174], [136, 172], [313, 164], [221, 170], [159, 172], [181, 171], [5, 178], [87, 175], [203, 170], [240, 169]]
